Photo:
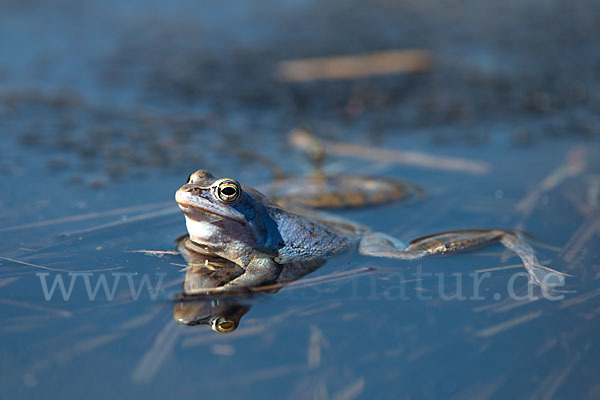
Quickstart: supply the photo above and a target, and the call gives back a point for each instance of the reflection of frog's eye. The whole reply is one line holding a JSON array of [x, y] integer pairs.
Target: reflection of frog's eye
[[229, 191], [223, 324]]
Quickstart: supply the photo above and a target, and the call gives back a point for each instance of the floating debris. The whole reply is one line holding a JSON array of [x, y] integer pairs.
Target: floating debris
[[495, 329], [304, 140], [354, 66]]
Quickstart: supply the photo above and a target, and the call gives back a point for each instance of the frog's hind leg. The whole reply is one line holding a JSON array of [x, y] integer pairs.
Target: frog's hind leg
[[381, 245]]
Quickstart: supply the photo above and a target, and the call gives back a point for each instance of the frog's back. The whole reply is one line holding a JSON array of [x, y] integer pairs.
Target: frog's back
[[305, 237]]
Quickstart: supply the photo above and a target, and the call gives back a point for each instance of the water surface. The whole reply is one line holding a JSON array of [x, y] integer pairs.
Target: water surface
[[106, 108]]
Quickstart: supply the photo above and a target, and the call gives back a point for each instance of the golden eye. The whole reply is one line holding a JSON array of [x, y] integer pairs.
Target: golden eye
[[223, 324], [229, 191]]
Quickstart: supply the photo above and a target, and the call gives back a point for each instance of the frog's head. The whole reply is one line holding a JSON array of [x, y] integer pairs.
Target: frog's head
[[219, 212], [223, 316], [205, 198]]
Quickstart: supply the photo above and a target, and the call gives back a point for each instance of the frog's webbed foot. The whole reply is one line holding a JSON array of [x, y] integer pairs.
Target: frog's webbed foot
[[258, 272], [538, 273], [382, 245]]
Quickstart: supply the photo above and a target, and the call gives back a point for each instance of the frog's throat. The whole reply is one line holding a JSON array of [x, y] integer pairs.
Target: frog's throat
[[183, 206]]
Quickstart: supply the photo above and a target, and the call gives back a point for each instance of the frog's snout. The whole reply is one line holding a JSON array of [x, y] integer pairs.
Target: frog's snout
[[187, 192], [184, 197], [180, 193]]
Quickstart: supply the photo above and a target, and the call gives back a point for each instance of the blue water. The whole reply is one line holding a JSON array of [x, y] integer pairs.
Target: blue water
[[105, 109]]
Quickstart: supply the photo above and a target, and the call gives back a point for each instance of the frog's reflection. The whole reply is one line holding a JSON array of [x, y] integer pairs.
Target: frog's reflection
[[222, 316], [201, 302]]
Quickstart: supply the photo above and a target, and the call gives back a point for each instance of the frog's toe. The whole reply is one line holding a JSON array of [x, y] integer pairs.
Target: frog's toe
[[546, 277]]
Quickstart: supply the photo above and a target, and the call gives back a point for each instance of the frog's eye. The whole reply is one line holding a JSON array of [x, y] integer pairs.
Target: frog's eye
[[223, 324], [201, 177], [229, 191]]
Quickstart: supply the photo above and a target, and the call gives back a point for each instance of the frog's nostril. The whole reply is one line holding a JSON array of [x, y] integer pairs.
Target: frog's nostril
[[194, 190]]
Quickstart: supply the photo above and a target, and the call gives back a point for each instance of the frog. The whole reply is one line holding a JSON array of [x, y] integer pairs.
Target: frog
[[198, 304], [240, 224]]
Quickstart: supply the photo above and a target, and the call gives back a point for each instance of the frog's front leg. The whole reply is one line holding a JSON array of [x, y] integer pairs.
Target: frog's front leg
[[382, 245], [259, 271]]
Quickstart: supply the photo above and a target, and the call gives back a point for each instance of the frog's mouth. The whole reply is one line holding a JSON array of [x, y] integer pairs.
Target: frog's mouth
[[190, 214], [198, 207]]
